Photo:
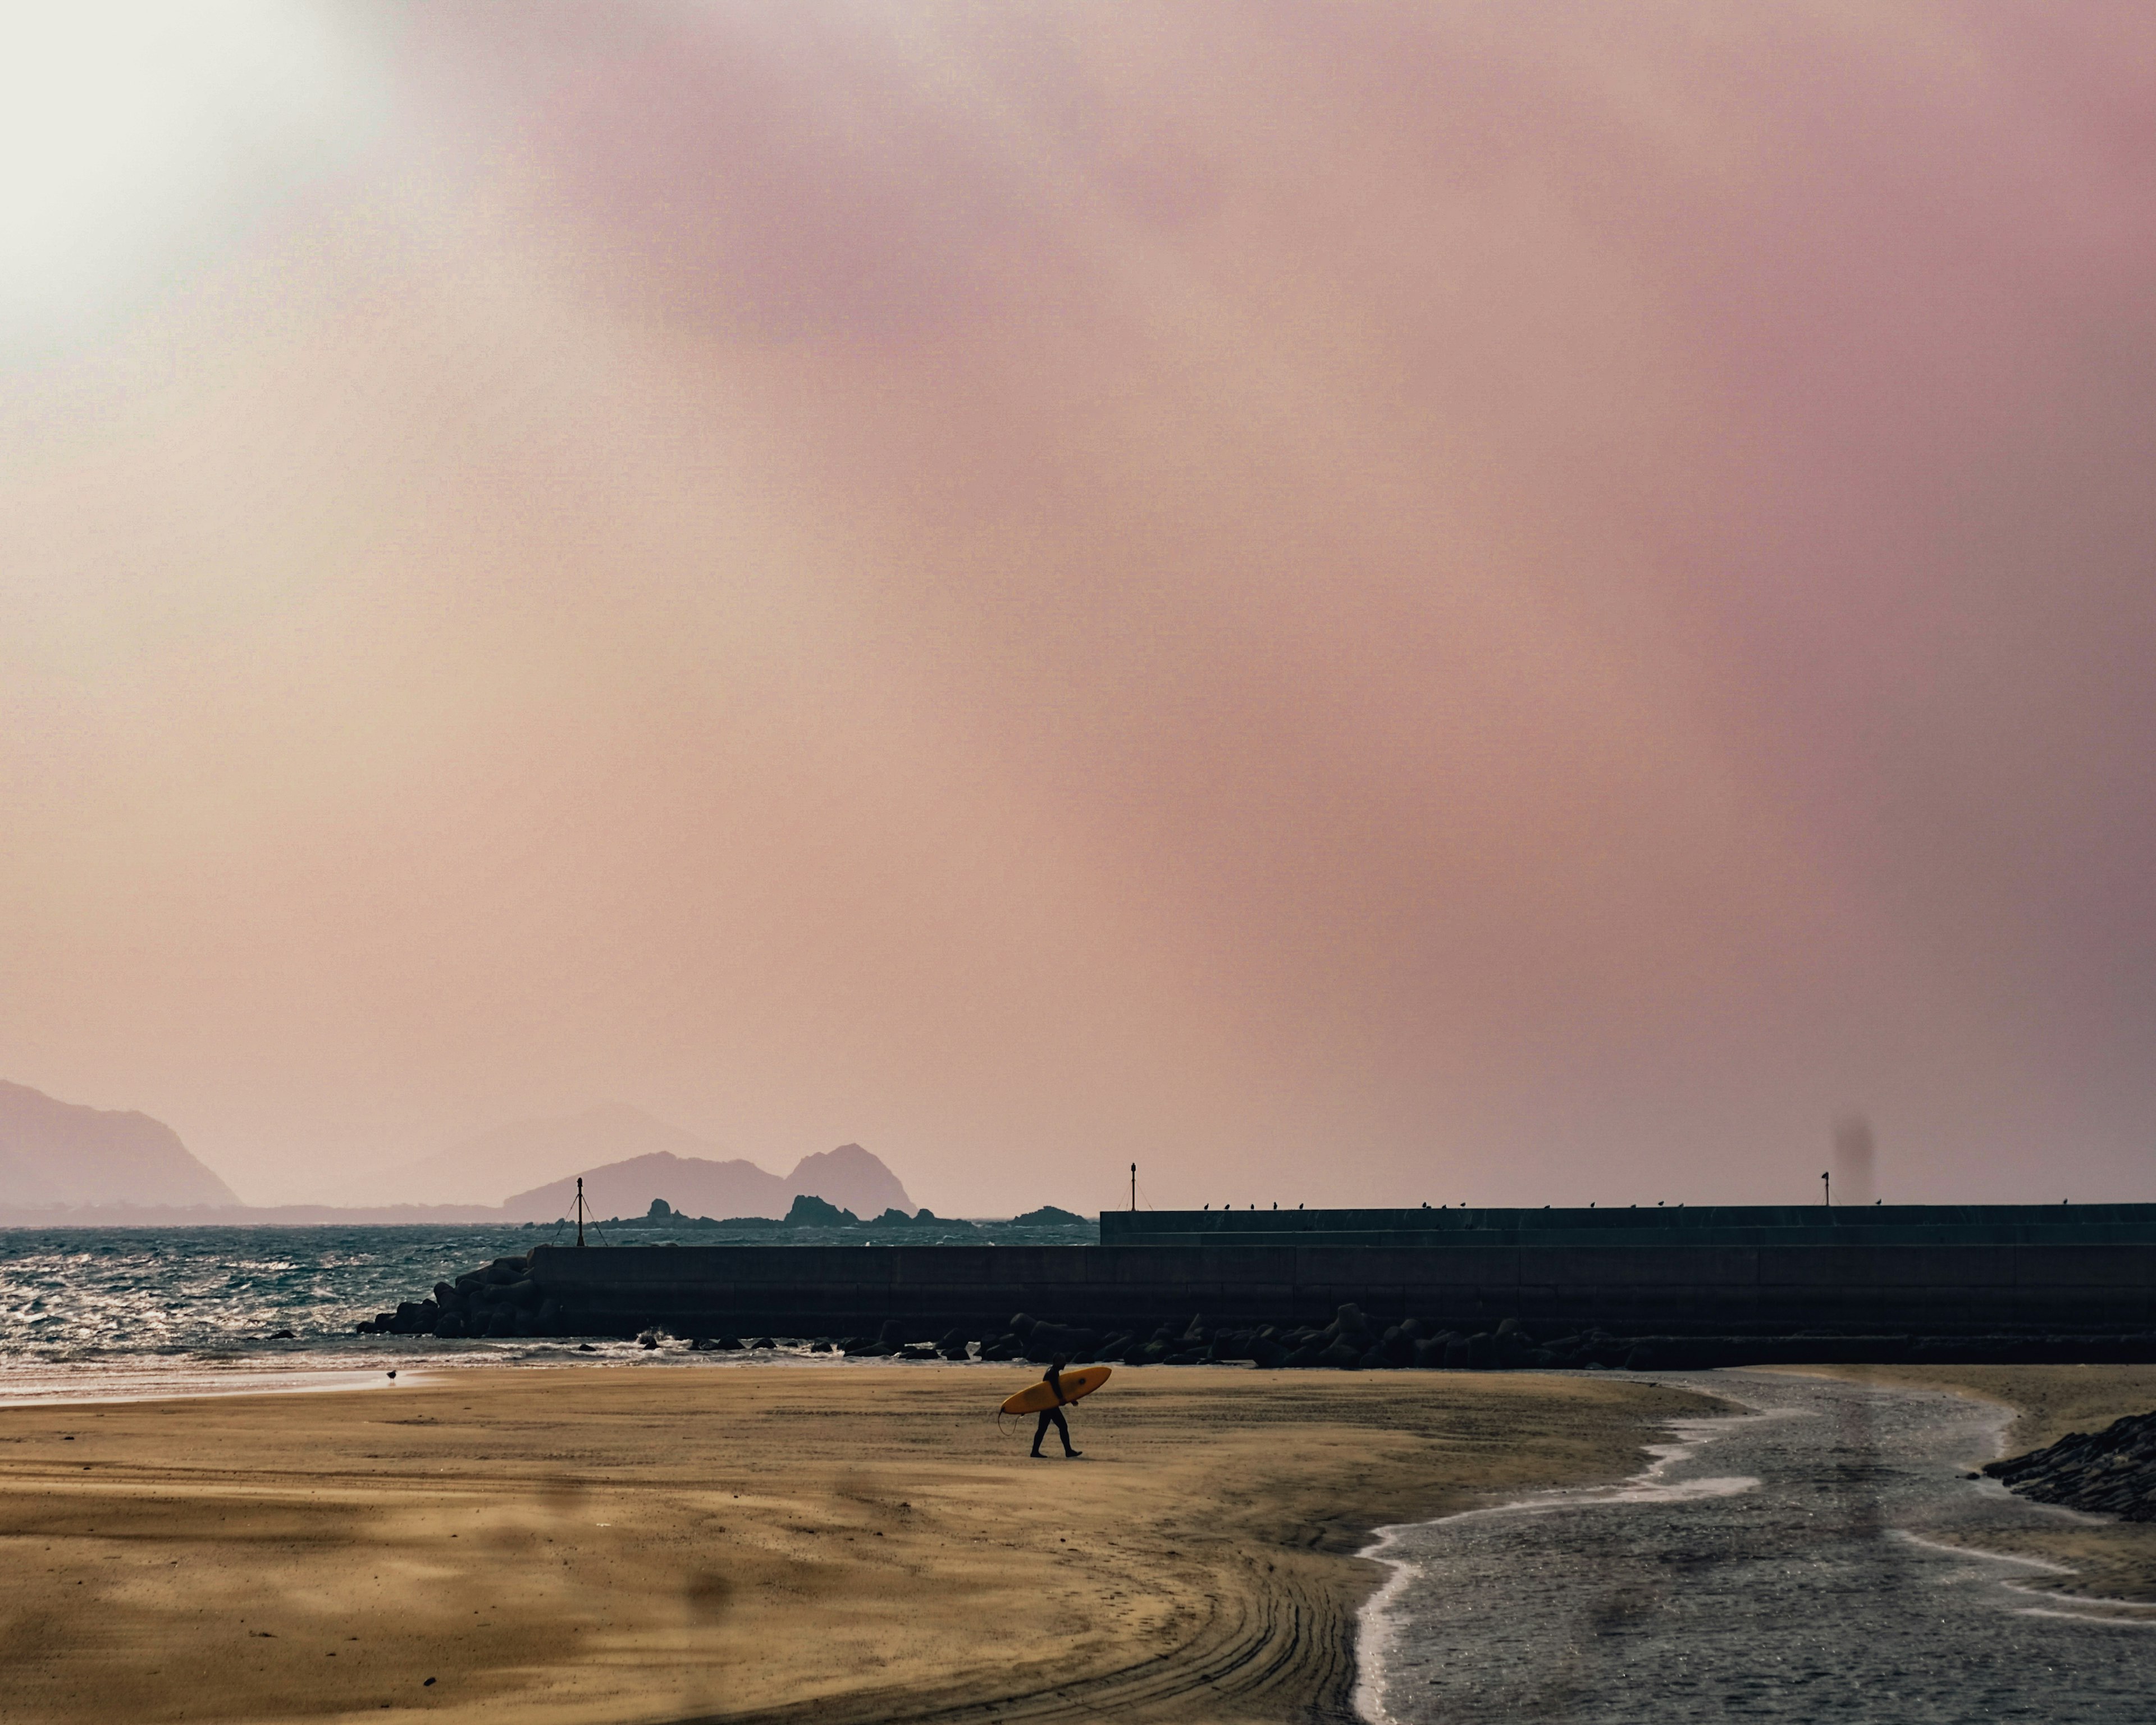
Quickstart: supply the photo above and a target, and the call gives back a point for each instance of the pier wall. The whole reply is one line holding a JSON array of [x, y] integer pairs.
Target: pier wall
[[2090, 1287]]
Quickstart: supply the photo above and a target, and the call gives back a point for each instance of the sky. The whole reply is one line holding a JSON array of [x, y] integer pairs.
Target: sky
[[1452, 603]]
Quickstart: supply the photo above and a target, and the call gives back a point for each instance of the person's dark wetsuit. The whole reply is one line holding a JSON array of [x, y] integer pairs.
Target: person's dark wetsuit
[[1053, 1378]]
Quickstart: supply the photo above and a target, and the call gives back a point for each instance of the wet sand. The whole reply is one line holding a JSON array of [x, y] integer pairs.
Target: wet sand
[[1797, 1566], [2099, 1559], [839, 1544]]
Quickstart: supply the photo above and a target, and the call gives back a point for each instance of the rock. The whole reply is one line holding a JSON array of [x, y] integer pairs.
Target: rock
[[1342, 1355], [810, 1212], [1459, 1354], [283, 1336]]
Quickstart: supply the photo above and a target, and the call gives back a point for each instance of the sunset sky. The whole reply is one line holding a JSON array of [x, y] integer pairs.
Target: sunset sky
[[1456, 602]]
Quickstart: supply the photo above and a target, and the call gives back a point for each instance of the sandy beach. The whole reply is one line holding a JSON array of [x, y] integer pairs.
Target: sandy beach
[[845, 1543]]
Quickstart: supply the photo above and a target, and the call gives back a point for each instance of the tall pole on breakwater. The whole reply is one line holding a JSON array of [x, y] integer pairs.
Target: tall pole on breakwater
[[1134, 1188]]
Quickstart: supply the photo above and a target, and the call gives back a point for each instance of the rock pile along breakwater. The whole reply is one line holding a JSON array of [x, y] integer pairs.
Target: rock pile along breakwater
[[2110, 1472], [504, 1300]]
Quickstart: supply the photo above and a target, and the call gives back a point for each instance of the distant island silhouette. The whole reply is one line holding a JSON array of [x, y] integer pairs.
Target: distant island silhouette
[[69, 1163]]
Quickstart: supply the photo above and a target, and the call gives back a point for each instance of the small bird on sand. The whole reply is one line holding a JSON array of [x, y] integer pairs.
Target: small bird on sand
[[393, 1377]]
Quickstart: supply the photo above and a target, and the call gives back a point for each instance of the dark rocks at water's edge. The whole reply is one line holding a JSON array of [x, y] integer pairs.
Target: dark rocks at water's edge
[[501, 1301], [2110, 1472]]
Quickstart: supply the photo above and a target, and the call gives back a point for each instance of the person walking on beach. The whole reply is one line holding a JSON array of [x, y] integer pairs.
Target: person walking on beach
[[1053, 1378]]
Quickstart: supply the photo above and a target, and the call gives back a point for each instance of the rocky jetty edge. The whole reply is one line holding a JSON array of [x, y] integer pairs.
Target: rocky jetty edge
[[2110, 1472], [501, 1301]]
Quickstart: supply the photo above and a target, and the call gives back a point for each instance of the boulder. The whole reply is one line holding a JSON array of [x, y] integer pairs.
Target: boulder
[[1459, 1353], [1342, 1355]]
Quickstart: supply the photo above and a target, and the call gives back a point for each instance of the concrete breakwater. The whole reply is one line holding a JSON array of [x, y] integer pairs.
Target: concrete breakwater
[[1606, 1306]]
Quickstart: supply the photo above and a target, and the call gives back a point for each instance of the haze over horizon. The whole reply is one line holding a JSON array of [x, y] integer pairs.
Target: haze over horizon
[[1448, 603]]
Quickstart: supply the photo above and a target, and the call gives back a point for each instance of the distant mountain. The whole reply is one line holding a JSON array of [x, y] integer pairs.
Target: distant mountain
[[54, 1153], [848, 1177], [510, 1159]]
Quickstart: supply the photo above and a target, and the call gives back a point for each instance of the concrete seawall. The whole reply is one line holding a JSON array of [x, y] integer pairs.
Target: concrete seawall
[[2091, 1287]]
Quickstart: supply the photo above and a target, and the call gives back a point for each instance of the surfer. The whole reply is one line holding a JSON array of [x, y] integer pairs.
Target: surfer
[[1053, 1378]]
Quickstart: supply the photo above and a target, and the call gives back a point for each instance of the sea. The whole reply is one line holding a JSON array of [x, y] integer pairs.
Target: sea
[[93, 1314]]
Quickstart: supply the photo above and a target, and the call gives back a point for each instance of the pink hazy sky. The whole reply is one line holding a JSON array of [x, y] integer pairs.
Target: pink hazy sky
[[1356, 603]]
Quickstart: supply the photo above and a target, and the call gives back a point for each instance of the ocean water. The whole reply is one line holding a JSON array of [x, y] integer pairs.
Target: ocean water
[[91, 1313], [124, 1311]]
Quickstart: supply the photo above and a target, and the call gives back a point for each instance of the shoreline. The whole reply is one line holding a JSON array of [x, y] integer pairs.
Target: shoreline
[[856, 1542], [2086, 1558], [1374, 1631]]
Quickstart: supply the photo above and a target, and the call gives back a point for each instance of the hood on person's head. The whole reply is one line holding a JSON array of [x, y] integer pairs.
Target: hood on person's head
[[1061, 1361]]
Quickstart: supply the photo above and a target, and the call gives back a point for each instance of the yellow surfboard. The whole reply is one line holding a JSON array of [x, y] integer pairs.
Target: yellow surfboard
[[1034, 1397]]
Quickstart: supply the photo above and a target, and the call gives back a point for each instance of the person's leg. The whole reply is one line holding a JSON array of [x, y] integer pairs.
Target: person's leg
[[1041, 1431], [1063, 1429]]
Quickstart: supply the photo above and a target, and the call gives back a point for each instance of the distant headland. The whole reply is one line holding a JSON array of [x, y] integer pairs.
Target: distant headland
[[64, 1164]]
